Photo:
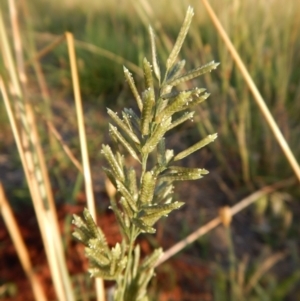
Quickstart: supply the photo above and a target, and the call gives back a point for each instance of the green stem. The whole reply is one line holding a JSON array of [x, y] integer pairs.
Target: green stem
[[232, 264], [129, 261]]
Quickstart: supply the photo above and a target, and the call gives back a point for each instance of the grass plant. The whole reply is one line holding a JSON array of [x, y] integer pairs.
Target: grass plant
[[246, 151], [143, 200]]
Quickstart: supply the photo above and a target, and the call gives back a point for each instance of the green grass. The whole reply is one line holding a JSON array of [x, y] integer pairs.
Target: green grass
[[270, 49]]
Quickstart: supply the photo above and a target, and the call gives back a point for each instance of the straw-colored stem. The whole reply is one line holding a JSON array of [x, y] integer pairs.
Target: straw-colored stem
[[40, 169], [44, 88], [45, 92], [256, 94], [33, 162], [216, 221], [27, 164], [31, 49], [17, 41], [83, 145], [20, 246], [50, 209], [8, 59]]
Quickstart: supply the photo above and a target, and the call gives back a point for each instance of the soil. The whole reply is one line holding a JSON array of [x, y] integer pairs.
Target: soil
[[178, 279]]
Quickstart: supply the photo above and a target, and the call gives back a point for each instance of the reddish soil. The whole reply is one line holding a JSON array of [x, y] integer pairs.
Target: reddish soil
[[174, 278]]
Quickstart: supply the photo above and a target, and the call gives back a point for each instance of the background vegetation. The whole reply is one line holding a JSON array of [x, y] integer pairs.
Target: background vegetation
[[244, 158]]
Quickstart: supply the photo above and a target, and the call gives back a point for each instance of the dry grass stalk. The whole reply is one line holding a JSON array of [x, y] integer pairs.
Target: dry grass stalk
[[20, 246], [34, 191], [83, 145], [256, 94], [33, 162], [216, 221]]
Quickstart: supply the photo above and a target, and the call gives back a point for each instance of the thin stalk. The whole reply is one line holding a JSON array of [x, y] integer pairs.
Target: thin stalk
[[40, 169], [26, 140], [20, 246], [244, 203], [256, 94], [31, 49], [50, 209], [242, 141], [129, 260], [232, 264], [35, 193], [83, 145], [268, 264]]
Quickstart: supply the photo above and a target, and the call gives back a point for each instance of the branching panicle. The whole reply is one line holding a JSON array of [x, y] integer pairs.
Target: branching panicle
[[140, 203]]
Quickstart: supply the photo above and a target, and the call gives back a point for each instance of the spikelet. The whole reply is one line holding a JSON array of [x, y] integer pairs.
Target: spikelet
[[127, 196], [164, 208], [131, 182], [195, 147], [143, 227], [135, 120], [175, 70], [157, 135], [179, 103], [116, 169], [156, 68], [147, 113], [182, 176], [192, 74], [148, 75], [118, 136], [184, 117], [147, 187], [181, 37], [123, 126], [161, 152], [150, 261], [133, 88]]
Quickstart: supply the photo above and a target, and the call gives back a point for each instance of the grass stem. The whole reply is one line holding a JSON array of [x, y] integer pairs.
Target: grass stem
[[20, 246], [244, 203], [256, 94], [83, 145]]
